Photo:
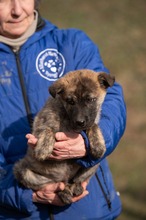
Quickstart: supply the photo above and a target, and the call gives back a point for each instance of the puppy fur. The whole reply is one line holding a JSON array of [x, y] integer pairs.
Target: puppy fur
[[74, 106]]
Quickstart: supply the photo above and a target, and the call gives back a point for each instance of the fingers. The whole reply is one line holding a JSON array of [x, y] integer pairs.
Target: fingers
[[53, 187], [77, 198], [50, 198], [84, 184], [60, 136], [32, 140], [85, 192], [68, 145], [28, 136], [53, 198], [48, 194]]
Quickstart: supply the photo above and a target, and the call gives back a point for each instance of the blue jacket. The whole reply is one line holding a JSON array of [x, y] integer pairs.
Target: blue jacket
[[24, 80]]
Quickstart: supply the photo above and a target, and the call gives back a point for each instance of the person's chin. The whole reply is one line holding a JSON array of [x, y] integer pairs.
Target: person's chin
[[14, 34]]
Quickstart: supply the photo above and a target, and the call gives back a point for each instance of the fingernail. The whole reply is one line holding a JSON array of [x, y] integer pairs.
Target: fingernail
[[39, 193]]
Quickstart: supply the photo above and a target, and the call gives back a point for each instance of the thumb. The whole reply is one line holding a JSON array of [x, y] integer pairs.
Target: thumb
[[52, 187], [61, 136]]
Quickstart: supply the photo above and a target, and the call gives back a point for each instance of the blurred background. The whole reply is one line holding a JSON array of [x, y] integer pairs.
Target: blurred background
[[119, 29]]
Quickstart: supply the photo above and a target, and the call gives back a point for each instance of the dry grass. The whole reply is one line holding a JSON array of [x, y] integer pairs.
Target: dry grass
[[119, 29]]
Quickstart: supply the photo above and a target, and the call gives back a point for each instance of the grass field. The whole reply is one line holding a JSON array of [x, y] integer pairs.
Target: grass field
[[119, 29]]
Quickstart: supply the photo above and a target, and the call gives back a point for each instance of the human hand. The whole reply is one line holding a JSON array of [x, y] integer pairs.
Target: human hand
[[68, 145], [48, 194]]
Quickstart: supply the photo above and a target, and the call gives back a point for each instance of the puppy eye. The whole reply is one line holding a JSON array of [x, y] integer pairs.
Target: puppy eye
[[88, 99]]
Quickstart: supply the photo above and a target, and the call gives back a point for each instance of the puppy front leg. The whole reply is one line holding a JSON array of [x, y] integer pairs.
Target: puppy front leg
[[45, 144], [97, 143]]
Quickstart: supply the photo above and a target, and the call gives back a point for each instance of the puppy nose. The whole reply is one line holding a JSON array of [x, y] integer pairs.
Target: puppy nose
[[80, 123]]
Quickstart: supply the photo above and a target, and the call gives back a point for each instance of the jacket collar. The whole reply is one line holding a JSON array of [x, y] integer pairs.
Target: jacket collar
[[41, 22]]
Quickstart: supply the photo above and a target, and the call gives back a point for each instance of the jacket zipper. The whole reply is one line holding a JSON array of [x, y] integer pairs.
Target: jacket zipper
[[23, 89], [106, 195]]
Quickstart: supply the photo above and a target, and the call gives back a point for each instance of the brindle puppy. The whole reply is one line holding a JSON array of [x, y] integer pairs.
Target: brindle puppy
[[75, 105]]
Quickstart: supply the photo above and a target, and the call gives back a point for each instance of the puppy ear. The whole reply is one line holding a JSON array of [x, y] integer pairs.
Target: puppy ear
[[106, 80], [56, 88]]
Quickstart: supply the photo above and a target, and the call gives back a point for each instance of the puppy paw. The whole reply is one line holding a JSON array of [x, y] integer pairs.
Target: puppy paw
[[98, 152], [70, 190], [78, 189], [97, 143], [65, 196]]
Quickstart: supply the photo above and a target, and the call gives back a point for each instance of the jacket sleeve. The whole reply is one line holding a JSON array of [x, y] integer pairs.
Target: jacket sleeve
[[11, 194], [113, 115]]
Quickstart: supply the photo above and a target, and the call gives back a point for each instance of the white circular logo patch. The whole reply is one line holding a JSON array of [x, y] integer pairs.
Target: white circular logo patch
[[50, 64]]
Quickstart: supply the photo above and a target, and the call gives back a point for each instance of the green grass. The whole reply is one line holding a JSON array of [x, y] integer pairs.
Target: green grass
[[119, 29]]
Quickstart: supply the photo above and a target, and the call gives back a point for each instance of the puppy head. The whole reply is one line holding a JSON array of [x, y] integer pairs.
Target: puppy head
[[82, 93], [104, 80]]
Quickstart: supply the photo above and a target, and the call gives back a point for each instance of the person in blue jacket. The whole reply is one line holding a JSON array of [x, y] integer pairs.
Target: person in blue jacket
[[33, 54]]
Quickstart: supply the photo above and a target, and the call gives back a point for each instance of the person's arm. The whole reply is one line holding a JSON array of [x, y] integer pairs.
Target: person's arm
[[12, 196]]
